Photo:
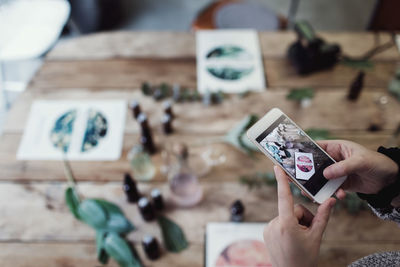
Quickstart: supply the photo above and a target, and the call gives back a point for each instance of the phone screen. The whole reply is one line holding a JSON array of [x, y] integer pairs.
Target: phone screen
[[296, 153]]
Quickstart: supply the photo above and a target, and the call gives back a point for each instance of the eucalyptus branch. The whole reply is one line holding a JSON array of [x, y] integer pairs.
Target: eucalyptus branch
[[69, 174]]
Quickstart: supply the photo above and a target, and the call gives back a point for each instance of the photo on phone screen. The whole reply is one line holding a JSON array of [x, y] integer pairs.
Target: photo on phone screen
[[296, 153]]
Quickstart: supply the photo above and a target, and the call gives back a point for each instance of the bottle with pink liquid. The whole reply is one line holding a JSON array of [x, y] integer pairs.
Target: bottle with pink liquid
[[185, 189]]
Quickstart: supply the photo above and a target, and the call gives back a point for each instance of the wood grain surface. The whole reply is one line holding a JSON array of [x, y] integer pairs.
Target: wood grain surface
[[38, 230]]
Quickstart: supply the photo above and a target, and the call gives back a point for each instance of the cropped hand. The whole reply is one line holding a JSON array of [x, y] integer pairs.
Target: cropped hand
[[294, 237], [368, 171]]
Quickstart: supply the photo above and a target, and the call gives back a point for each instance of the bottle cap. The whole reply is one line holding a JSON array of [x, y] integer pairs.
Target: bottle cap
[[143, 202], [165, 118], [155, 193], [133, 104], [142, 118]]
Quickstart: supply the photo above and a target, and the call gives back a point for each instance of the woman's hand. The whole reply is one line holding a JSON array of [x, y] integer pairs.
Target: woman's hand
[[368, 171], [294, 237]]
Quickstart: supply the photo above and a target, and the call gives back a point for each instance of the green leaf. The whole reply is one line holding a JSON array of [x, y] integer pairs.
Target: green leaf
[[72, 200], [173, 236], [237, 135], [146, 89], [258, 179], [298, 94], [93, 214], [120, 251], [102, 255], [359, 64], [116, 220], [394, 88], [318, 134]]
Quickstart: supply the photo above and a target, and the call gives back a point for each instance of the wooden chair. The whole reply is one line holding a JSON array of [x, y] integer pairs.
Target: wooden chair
[[385, 16], [218, 15]]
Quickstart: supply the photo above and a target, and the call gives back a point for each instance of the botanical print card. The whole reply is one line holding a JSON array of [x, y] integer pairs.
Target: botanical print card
[[304, 165], [76, 130], [229, 61], [236, 245]]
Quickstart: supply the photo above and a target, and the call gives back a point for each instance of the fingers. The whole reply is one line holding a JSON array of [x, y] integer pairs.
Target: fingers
[[340, 194], [321, 218], [285, 199], [342, 168], [323, 144], [333, 148], [303, 215]]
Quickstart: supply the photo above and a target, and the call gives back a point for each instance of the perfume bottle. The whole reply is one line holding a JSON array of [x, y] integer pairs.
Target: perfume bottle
[[142, 167], [185, 190]]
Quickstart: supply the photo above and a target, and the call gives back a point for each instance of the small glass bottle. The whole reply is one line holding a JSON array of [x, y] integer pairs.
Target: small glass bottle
[[185, 190], [168, 109], [157, 198], [130, 189], [151, 247], [135, 107], [237, 211], [166, 121], [146, 138], [146, 209], [142, 167]]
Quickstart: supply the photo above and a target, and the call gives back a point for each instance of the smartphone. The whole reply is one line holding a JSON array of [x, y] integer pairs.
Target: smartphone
[[288, 146]]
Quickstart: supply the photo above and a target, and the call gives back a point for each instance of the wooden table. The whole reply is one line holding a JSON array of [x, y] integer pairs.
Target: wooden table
[[36, 227]]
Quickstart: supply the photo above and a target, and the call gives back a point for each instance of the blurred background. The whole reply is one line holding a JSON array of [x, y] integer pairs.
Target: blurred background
[[69, 19]]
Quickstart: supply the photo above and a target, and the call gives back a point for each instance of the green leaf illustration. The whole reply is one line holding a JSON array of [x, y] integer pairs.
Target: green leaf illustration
[[73, 201], [120, 251], [102, 255], [173, 236], [93, 214]]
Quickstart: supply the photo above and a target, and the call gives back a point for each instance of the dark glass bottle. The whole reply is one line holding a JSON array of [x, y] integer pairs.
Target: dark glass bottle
[[167, 124], [157, 198], [135, 107], [356, 87], [146, 209], [151, 247], [237, 211], [146, 138], [130, 189], [168, 109]]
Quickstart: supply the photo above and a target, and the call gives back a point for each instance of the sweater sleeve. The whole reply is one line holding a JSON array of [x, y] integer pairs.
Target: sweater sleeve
[[389, 212]]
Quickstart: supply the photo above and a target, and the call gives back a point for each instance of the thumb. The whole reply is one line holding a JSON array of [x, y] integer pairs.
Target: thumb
[[320, 220], [342, 168]]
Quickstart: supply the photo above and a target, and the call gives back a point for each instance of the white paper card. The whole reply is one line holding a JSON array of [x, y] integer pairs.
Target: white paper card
[[229, 61], [82, 130], [305, 167], [224, 238]]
